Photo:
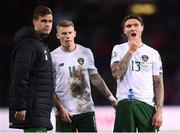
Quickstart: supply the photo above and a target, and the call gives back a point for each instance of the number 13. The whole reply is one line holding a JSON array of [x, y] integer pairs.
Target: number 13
[[135, 66]]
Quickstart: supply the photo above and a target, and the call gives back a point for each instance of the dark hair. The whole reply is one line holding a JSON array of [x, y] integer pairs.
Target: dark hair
[[132, 16], [41, 11], [64, 23]]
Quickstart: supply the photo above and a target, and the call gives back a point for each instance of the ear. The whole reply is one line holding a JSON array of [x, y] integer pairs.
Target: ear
[[57, 35], [74, 33], [34, 22], [124, 32], [142, 28]]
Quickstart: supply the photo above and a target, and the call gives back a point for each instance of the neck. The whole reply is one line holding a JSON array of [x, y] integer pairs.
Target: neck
[[140, 43], [69, 49]]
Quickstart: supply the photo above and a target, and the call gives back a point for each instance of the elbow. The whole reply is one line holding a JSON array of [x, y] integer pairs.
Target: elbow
[[115, 71], [115, 76]]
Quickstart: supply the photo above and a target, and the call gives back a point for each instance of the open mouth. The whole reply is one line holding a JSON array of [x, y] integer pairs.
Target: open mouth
[[133, 34]]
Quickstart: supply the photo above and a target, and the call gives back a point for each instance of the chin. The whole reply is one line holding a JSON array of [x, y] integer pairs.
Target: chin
[[47, 33]]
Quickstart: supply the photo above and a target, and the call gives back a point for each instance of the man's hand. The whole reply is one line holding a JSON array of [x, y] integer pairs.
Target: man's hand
[[20, 116], [157, 119], [134, 44], [63, 112], [65, 115]]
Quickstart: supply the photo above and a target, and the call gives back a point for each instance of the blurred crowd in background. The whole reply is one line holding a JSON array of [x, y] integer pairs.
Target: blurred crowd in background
[[98, 26]]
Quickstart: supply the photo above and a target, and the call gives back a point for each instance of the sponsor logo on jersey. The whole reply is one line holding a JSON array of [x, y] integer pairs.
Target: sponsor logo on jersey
[[62, 64], [144, 58], [80, 61]]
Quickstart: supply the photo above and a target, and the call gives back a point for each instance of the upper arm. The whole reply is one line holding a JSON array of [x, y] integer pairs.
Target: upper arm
[[157, 78], [22, 63], [90, 64], [115, 55], [95, 79], [157, 64]]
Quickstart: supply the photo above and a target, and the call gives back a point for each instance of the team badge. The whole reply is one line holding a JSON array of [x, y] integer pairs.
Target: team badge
[[114, 54], [80, 61], [145, 58]]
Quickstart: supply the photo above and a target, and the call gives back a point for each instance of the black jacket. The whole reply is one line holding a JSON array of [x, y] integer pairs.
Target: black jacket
[[31, 85]]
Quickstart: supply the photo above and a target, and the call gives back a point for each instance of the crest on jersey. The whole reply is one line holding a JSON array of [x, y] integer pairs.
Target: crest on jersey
[[114, 54], [80, 61], [145, 58]]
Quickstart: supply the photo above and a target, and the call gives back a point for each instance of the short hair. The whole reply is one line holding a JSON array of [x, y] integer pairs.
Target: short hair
[[41, 11], [64, 23], [132, 16]]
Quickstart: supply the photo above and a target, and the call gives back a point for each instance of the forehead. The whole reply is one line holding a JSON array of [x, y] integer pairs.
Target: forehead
[[48, 17], [66, 29], [132, 21]]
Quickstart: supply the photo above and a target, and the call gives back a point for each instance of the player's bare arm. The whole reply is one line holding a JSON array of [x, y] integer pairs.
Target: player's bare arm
[[101, 86], [63, 113], [159, 90], [159, 95], [119, 68]]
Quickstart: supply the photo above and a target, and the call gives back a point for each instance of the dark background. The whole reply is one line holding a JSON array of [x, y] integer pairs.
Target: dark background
[[98, 26]]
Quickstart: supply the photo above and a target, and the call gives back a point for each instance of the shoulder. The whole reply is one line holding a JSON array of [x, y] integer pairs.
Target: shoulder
[[153, 53], [150, 49], [26, 44], [120, 46], [84, 49], [56, 54], [55, 51]]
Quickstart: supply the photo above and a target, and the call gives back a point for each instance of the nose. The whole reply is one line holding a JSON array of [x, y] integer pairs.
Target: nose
[[67, 35], [132, 27], [48, 23]]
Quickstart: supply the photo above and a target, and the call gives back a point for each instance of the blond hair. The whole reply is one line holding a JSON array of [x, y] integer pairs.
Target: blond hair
[[64, 23]]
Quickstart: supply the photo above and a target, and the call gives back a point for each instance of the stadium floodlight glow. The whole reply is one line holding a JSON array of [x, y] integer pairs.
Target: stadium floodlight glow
[[143, 8]]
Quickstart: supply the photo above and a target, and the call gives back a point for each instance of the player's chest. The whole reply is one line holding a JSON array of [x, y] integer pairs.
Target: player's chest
[[71, 63], [141, 62], [74, 61]]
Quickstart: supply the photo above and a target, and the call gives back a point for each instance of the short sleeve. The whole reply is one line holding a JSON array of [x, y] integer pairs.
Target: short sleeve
[[117, 54], [157, 64], [90, 64]]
